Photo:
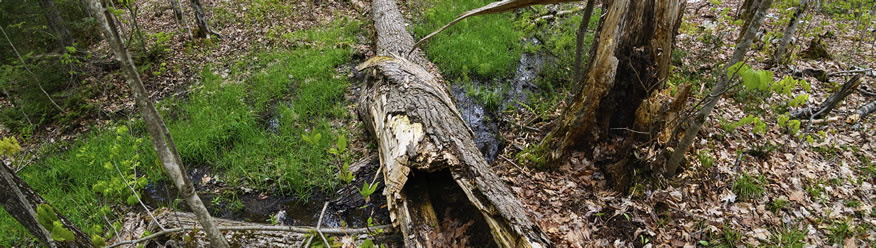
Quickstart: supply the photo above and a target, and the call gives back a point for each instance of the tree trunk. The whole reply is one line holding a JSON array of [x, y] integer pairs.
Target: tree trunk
[[56, 23], [161, 140], [427, 151], [181, 17], [579, 45], [204, 30], [848, 88], [780, 56], [748, 8], [719, 90], [21, 202], [629, 62]]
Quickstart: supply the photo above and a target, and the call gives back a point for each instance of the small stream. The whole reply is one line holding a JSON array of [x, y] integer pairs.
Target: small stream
[[485, 123], [258, 208]]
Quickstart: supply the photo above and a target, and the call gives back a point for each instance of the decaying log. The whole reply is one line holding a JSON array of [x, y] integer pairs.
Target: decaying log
[[184, 231], [831, 102], [422, 138]]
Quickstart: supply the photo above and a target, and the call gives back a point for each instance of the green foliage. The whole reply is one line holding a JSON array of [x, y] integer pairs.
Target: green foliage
[[747, 187], [490, 97], [788, 236], [368, 189], [47, 218], [706, 159], [9, 146], [118, 187], [160, 44], [560, 39], [839, 231], [221, 123], [534, 155], [778, 204], [485, 46]]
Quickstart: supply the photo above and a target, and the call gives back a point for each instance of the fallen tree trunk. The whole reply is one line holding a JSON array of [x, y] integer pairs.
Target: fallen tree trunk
[[427, 151], [829, 103]]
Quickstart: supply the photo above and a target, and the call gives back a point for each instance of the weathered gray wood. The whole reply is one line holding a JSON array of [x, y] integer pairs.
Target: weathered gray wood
[[238, 233], [579, 45], [162, 142], [824, 109], [418, 128], [21, 202]]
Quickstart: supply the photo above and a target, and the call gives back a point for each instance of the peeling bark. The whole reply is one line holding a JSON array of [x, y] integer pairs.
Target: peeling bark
[[629, 64], [419, 130], [21, 202]]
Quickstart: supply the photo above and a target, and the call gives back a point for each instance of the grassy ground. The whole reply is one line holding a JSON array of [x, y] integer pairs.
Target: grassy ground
[[220, 124], [483, 46]]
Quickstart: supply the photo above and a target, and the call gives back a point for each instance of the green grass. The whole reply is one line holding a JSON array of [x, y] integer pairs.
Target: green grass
[[484, 46], [559, 40], [221, 124], [748, 187], [788, 236]]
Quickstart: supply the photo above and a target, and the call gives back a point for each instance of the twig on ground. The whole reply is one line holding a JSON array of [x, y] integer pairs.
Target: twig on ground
[[515, 165], [138, 197], [557, 15], [867, 72], [295, 229], [319, 223]]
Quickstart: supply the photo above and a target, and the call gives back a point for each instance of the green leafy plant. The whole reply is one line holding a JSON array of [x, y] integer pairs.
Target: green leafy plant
[[706, 159], [48, 218], [127, 184]]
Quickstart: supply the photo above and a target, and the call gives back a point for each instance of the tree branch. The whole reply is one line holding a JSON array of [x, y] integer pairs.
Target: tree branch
[[295, 229]]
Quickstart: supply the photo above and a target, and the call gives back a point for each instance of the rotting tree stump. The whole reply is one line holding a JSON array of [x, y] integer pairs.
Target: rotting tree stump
[[426, 149]]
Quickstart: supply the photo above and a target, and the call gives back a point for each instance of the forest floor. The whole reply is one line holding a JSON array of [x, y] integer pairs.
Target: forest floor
[[238, 107]]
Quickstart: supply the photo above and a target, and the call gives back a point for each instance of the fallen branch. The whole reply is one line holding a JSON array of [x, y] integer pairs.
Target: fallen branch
[[831, 102], [868, 72], [557, 15], [862, 112], [295, 229], [319, 223]]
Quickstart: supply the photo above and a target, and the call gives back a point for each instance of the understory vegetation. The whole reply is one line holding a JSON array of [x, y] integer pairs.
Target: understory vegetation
[[247, 125], [267, 111]]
